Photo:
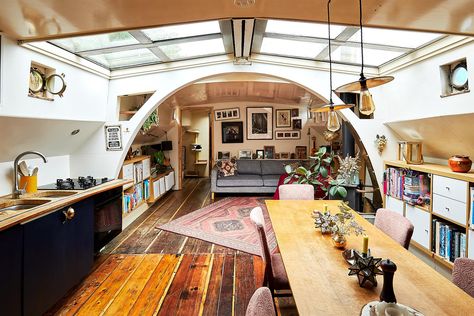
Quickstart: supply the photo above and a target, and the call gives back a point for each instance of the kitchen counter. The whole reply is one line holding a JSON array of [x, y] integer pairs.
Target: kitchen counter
[[11, 218]]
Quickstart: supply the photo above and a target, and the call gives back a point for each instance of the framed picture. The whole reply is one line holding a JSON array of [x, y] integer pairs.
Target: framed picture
[[301, 152], [227, 114], [285, 155], [295, 112], [269, 152], [297, 123], [113, 137], [232, 132], [245, 154], [260, 153], [260, 123], [287, 134], [283, 118], [223, 155], [277, 156]]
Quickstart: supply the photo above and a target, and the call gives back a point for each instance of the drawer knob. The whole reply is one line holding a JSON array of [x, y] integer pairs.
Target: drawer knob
[[447, 188], [426, 230], [447, 209], [69, 214]]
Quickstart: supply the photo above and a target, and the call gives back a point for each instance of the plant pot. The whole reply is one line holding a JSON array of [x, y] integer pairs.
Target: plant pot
[[459, 163], [339, 241]]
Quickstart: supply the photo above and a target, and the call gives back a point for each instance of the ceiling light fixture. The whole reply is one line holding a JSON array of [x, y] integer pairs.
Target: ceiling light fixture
[[333, 123], [366, 103]]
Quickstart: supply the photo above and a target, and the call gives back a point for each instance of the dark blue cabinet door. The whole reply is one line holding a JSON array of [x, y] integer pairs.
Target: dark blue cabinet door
[[11, 248], [58, 253]]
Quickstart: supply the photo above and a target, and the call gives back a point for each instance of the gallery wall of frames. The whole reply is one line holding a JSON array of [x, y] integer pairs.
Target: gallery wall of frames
[[262, 131]]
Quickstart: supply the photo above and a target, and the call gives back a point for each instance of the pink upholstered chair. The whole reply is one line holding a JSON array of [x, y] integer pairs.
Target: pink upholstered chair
[[394, 225], [296, 192], [261, 303], [463, 274], [275, 274]]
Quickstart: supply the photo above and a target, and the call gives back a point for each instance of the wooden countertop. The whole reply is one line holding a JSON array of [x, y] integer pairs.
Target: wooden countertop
[[11, 218], [318, 273]]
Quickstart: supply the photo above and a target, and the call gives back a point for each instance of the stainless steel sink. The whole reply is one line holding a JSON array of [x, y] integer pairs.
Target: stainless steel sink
[[54, 194], [18, 205]]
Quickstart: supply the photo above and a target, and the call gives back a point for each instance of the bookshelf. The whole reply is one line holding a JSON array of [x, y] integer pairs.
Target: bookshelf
[[438, 202]]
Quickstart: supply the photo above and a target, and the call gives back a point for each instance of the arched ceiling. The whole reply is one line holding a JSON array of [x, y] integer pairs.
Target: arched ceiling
[[43, 19]]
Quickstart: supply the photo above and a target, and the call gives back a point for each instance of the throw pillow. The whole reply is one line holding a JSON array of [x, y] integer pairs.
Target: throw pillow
[[227, 167]]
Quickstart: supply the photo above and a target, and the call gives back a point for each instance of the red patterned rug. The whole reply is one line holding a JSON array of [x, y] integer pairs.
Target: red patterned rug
[[226, 223]]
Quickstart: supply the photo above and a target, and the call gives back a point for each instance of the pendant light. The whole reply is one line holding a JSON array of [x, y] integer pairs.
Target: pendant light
[[333, 123], [366, 103]]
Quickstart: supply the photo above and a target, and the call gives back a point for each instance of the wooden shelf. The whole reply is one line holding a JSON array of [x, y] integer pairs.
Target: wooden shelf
[[128, 112], [448, 264], [434, 169], [201, 162], [449, 220], [136, 159]]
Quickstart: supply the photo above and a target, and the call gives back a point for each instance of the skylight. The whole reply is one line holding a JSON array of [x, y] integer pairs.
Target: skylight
[[302, 28], [290, 48], [84, 43], [182, 30]]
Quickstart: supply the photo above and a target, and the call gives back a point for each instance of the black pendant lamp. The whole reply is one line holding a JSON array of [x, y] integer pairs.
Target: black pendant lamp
[[333, 123], [366, 103]]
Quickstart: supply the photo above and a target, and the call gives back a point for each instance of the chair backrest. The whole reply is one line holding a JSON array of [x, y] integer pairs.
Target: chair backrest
[[256, 216], [395, 225], [261, 303], [463, 274], [296, 192]]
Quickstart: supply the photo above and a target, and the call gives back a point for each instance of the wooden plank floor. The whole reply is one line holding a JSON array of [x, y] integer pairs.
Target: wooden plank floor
[[146, 271]]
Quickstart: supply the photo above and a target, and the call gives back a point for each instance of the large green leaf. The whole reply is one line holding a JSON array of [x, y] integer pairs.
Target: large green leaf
[[301, 171], [287, 180], [322, 151], [342, 192], [323, 171], [288, 169], [333, 191]]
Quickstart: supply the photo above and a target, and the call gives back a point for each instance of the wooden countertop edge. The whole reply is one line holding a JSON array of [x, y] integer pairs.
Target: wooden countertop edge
[[57, 203]]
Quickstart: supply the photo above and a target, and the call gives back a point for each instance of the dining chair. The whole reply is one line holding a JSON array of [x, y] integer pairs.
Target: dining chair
[[296, 191], [463, 274], [275, 273], [398, 227], [261, 303]]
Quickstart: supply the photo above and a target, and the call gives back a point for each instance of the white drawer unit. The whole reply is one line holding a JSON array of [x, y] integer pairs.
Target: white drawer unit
[[451, 188], [156, 189], [146, 168], [449, 208], [169, 180], [127, 172], [395, 205], [421, 222], [162, 185]]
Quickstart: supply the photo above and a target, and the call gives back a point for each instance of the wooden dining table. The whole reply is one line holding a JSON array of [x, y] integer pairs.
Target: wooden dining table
[[318, 273]]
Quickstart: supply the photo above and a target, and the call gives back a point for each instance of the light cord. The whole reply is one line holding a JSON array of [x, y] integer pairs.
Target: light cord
[[361, 40], [330, 58]]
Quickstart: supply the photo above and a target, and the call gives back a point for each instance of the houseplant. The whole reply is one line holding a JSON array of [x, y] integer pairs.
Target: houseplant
[[344, 224], [349, 170]]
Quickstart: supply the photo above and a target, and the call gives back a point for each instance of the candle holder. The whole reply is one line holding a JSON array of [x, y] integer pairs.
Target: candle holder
[[365, 267]]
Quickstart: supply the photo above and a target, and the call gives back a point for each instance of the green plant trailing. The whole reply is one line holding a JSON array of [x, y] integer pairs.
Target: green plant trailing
[[150, 122], [318, 175]]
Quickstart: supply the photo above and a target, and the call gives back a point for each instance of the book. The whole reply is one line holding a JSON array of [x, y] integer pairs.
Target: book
[[442, 240], [471, 191]]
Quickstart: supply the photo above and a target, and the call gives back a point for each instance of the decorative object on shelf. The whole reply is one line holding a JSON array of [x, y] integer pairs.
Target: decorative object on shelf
[[295, 112], [333, 123], [331, 136], [287, 135], [285, 155], [113, 137], [366, 103], [245, 154], [366, 268], [349, 169], [223, 155], [297, 124], [196, 147], [227, 114], [381, 142], [283, 118], [313, 150], [232, 132], [301, 152], [260, 123], [460, 163], [323, 220], [387, 294], [260, 153], [269, 152], [410, 152], [152, 121]]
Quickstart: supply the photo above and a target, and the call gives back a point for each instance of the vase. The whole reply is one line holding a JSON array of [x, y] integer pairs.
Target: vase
[[339, 241], [459, 163]]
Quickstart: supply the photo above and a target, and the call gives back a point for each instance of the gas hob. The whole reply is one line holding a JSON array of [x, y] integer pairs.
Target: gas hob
[[81, 183]]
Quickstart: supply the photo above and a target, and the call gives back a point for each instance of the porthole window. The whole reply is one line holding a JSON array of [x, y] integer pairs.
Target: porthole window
[[458, 77], [454, 78]]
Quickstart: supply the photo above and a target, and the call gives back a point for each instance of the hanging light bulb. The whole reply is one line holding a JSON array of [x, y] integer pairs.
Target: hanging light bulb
[[366, 103], [333, 124]]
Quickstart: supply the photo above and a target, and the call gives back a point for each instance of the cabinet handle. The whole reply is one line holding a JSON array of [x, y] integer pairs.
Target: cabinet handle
[[447, 209], [69, 214], [447, 188], [426, 230]]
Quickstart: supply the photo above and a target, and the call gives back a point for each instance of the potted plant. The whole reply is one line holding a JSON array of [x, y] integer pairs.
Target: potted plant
[[344, 225], [349, 170]]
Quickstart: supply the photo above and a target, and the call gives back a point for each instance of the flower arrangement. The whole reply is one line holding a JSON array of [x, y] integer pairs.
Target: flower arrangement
[[349, 169]]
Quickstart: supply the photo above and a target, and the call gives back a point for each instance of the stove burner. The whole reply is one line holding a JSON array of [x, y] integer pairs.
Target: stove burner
[[67, 184]]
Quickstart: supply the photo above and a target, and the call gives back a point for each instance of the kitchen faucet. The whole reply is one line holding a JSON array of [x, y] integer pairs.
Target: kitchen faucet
[[16, 191]]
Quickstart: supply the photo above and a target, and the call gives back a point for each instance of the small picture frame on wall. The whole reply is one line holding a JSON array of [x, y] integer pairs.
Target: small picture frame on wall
[[301, 152], [223, 155], [260, 153], [227, 114], [288, 135], [232, 132], [285, 155], [297, 123], [295, 112], [277, 156], [283, 118], [269, 152], [245, 154]]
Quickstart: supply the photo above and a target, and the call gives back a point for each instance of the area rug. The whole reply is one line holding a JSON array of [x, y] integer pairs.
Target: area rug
[[226, 223]]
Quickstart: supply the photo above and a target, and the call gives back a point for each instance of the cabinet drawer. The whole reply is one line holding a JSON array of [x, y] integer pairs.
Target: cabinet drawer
[[451, 209], [451, 188], [394, 204], [421, 222]]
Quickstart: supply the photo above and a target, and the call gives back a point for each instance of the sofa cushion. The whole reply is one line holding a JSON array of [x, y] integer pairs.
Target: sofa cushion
[[270, 180], [273, 167], [248, 166], [241, 180], [227, 167]]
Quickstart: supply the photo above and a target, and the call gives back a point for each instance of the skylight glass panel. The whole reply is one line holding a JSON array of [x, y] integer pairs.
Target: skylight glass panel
[[77, 44], [408, 39], [372, 57], [194, 49], [183, 30], [126, 58], [291, 48], [302, 28]]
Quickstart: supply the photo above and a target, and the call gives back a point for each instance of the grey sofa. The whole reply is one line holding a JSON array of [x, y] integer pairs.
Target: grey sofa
[[253, 176]]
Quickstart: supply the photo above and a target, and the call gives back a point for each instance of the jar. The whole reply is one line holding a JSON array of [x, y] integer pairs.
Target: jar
[[460, 163]]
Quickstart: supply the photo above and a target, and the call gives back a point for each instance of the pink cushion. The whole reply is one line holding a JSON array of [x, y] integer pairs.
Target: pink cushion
[[394, 225], [296, 192], [261, 303], [280, 279], [463, 274]]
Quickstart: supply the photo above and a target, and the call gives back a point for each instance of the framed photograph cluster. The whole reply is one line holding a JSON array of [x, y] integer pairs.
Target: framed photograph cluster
[[287, 134], [259, 123], [227, 114]]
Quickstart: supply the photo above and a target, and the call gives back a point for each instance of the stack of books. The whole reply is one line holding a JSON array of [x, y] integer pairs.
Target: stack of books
[[393, 182], [416, 188], [448, 241]]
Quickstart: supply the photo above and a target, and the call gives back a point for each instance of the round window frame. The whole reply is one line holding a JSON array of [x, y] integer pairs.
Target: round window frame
[[457, 87]]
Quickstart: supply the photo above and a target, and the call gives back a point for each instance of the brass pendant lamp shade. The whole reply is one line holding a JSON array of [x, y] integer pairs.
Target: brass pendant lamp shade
[[366, 103]]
